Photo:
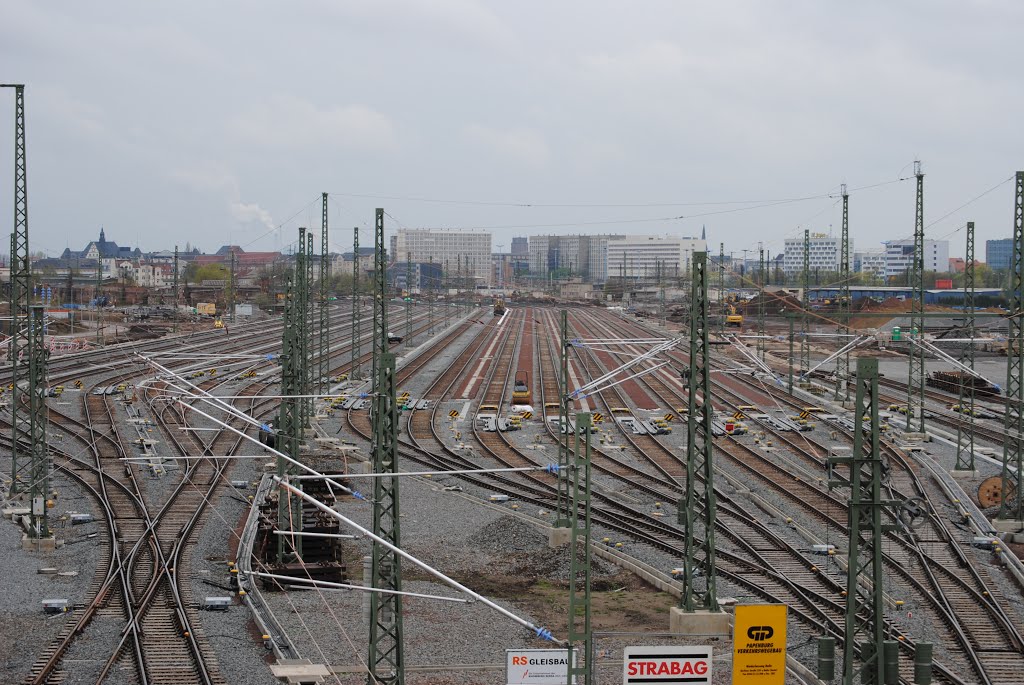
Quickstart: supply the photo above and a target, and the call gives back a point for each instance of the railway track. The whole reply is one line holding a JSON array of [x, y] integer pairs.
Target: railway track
[[990, 644]]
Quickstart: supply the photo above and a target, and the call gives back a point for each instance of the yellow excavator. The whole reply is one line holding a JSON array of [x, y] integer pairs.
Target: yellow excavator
[[732, 318]]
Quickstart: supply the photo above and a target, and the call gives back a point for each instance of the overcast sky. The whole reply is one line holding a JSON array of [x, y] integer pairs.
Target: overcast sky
[[223, 122]]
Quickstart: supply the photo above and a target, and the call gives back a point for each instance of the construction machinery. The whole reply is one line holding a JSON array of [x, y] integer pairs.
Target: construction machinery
[[732, 317], [521, 388]]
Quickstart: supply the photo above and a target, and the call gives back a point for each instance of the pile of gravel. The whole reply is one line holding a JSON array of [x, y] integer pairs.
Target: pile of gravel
[[508, 534]]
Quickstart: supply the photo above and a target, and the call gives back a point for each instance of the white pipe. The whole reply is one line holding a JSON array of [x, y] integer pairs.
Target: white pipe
[[539, 631], [344, 586], [340, 536], [552, 468], [593, 391], [282, 455]]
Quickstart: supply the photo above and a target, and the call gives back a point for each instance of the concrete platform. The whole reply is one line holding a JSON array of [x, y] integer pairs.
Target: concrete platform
[[963, 473], [49, 544], [300, 671], [699, 622], [559, 536], [1008, 526]]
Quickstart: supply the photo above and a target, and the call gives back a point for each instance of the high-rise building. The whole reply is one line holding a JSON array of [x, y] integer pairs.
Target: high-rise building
[[999, 253], [583, 256], [899, 256], [520, 246], [824, 253], [422, 244], [645, 258]]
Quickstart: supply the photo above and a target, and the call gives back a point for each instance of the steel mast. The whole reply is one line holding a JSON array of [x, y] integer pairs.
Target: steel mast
[[408, 299], [323, 383], [865, 598], [579, 546], [805, 322], [289, 421], [386, 657], [355, 371], [175, 315], [308, 364], [21, 293], [915, 381], [1012, 505], [39, 480], [965, 438], [761, 303], [844, 305], [699, 530]]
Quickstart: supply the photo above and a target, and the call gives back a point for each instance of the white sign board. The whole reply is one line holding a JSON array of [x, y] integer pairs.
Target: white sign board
[[243, 310], [538, 666], [672, 665]]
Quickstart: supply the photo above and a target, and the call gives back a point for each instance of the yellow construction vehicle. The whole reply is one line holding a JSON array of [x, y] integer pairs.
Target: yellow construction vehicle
[[732, 318]]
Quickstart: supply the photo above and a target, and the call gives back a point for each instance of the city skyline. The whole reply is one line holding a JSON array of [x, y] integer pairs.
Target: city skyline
[[633, 120]]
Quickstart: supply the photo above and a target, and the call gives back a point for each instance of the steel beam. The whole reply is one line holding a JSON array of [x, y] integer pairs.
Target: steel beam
[[699, 527]]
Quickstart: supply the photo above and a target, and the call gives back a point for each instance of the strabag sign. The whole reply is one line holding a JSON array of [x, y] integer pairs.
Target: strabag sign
[[672, 665], [759, 645], [538, 666]]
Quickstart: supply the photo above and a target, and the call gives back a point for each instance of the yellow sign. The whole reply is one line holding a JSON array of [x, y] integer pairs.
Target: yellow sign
[[759, 645]]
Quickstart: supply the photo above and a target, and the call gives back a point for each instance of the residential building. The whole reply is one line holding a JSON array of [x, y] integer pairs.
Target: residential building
[[645, 258], [149, 275], [899, 256], [999, 253], [440, 245], [824, 253], [343, 263]]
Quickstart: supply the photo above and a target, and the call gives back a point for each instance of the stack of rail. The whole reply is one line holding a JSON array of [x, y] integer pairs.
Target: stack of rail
[[950, 381]]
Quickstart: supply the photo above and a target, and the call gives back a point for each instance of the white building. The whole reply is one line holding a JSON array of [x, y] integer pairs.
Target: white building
[[824, 253], [869, 262], [899, 256], [424, 244], [644, 257]]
